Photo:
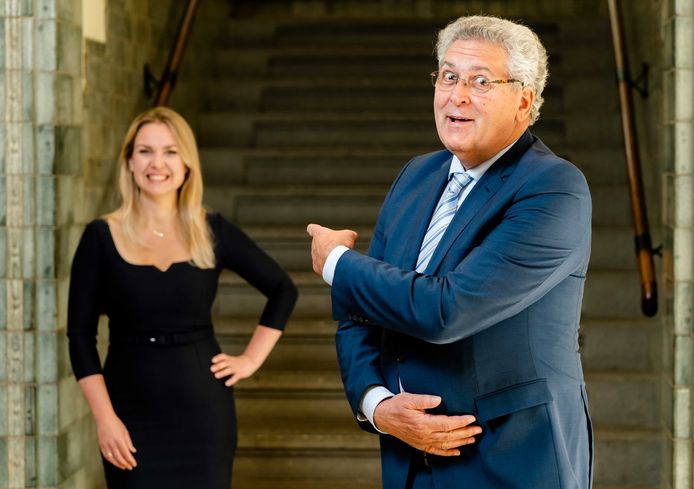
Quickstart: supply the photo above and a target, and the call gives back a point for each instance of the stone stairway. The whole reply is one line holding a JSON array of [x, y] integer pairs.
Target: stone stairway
[[309, 121]]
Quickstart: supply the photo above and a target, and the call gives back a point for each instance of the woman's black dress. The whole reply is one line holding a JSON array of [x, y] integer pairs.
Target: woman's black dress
[[157, 371]]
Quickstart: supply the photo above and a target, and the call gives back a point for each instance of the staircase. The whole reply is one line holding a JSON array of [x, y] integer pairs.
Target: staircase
[[309, 120]]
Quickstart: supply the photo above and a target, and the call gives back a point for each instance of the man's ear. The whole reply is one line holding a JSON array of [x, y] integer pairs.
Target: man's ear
[[525, 104]]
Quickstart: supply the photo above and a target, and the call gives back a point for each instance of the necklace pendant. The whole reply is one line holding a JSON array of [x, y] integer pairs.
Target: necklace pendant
[[159, 234]]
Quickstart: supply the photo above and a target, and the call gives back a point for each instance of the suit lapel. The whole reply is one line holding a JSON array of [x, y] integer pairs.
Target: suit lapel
[[490, 183], [419, 213]]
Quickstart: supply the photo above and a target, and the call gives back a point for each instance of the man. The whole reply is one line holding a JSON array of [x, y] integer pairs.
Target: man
[[457, 338]]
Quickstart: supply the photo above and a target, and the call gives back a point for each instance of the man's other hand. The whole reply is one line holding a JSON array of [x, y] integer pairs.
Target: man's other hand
[[404, 416], [325, 240]]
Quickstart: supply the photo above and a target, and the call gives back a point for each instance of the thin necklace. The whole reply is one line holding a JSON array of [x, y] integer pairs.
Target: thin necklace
[[159, 234]]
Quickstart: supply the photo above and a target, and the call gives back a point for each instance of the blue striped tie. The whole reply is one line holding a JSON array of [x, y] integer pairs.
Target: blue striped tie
[[442, 217]]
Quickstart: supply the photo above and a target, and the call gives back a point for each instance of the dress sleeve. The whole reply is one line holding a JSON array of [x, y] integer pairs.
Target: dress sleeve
[[239, 253], [84, 303]]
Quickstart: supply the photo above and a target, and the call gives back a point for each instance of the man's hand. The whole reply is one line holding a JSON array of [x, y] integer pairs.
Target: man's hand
[[325, 240], [404, 417]]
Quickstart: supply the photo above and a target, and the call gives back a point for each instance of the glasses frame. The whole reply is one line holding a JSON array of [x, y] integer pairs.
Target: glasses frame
[[435, 77]]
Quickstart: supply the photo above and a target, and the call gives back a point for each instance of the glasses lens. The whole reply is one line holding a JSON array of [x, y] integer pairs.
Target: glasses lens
[[480, 83]]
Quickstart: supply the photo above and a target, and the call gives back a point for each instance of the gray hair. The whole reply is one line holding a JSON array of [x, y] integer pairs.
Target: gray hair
[[527, 57]]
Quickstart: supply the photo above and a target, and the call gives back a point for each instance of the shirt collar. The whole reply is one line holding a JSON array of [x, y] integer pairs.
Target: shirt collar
[[479, 170]]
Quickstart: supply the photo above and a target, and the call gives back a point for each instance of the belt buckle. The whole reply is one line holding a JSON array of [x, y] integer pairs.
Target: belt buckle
[[161, 339]]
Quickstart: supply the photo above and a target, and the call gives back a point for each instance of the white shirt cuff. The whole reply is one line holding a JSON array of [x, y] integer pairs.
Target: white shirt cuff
[[373, 396], [331, 263]]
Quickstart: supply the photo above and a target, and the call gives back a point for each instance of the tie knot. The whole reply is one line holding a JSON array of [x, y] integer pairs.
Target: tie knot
[[458, 181]]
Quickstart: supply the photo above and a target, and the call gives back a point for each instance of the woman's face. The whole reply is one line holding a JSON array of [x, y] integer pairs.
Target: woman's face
[[156, 162]]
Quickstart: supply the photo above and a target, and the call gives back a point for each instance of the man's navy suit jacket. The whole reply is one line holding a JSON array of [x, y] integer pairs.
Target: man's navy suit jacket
[[492, 324]]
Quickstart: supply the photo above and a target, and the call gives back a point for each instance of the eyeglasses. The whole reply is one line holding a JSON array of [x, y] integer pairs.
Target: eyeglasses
[[447, 80]]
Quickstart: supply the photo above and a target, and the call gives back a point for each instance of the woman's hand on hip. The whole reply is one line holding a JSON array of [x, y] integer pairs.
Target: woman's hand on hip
[[234, 367], [115, 443]]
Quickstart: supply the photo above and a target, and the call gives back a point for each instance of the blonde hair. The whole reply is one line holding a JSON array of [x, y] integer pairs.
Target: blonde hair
[[191, 214]]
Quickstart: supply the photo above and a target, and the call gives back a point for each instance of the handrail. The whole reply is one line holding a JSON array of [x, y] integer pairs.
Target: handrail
[[167, 82], [644, 249]]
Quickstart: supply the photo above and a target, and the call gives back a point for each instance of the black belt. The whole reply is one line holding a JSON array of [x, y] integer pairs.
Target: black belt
[[158, 338]]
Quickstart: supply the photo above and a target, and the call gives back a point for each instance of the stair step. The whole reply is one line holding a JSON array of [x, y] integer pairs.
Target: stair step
[[358, 95], [612, 295], [363, 31], [626, 401], [611, 207], [302, 380], [297, 328], [293, 253], [355, 60], [236, 298], [323, 61], [309, 483], [624, 460], [288, 130], [308, 469], [627, 458], [612, 248], [316, 170], [300, 433], [350, 206], [298, 408], [333, 211], [348, 166], [291, 245], [369, 129], [293, 29], [601, 166], [631, 345], [563, 98], [300, 353]]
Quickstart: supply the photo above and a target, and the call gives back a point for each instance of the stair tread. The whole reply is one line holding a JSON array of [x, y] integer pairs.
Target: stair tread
[[296, 327], [339, 190], [301, 190], [300, 483], [329, 116], [300, 278], [321, 433], [347, 151], [295, 382]]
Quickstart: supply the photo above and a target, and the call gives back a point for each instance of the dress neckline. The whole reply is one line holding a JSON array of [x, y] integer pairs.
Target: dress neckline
[[138, 265]]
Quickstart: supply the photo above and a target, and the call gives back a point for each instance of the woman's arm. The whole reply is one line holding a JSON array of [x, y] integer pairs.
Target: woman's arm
[[243, 366], [114, 439], [84, 309]]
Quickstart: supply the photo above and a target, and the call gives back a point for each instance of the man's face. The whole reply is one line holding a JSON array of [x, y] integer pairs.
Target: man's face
[[475, 126]]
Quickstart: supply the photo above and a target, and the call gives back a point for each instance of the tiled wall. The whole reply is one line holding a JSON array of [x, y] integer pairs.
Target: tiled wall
[[64, 107], [678, 80], [32, 116]]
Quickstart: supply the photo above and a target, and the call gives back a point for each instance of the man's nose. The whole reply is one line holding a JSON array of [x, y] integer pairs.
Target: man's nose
[[460, 93]]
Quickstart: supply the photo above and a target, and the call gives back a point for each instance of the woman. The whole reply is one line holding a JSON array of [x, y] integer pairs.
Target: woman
[[163, 404]]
